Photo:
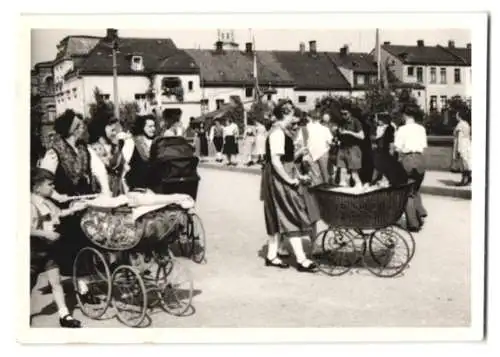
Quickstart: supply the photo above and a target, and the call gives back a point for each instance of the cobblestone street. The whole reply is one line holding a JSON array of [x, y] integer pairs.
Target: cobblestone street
[[235, 289]]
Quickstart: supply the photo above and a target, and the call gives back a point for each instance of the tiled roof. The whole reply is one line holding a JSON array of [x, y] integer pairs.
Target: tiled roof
[[424, 55], [158, 56], [235, 68], [312, 72], [355, 61], [77, 46], [463, 53]]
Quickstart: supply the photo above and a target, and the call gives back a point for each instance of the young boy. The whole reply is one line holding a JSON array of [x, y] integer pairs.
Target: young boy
[[44, 219]]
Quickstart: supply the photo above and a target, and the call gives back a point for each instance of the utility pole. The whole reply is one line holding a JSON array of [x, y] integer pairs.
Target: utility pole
[[115, 77]]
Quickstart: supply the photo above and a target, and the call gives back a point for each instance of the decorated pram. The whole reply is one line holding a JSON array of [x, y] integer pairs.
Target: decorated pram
[[363, 230], [128, 263]]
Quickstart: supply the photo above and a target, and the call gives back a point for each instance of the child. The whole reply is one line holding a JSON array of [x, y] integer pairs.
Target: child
[[44, 217]]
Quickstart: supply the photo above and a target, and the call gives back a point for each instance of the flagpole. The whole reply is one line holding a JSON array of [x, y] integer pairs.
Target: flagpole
[[377, 44]]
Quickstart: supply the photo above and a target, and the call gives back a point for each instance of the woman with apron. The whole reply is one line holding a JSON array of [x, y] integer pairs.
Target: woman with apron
[[285, 209]]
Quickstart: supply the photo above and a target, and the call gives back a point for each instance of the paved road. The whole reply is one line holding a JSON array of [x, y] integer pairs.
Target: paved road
[[235, 289]]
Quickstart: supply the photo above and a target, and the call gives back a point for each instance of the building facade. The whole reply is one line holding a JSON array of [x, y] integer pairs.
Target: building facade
[[443, 73]]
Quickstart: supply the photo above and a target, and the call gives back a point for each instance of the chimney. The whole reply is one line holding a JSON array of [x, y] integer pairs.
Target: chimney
[[344, 50], [451, 44], [312, 46], [248, 47], [218, 46], [111, 34], [302, 47], [387, 43], [469, 46], [420, 43]]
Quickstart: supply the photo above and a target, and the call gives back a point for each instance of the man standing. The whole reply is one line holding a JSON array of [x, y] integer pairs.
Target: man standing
[[349, 155], [317, 138], [410, 142]]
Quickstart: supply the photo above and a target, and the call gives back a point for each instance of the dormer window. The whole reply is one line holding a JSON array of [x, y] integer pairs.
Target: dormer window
[[137, 64]]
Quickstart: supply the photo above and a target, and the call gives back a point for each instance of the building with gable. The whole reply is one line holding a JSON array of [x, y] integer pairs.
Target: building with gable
[[443, 71]]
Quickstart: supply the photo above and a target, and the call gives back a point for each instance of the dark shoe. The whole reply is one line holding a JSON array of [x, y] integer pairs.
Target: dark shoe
[[70, 322], [276, 263], [413, 229], [251, 163], [311, 268]]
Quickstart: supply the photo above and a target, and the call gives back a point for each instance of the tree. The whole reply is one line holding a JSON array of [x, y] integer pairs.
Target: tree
[[237, 112]]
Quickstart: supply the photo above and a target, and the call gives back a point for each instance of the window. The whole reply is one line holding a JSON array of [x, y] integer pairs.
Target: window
[[433, 104], [442, 73], [139, 96], [249, 92], [457, 76], [74, 92], [190, 85], [360, 80], [419, 93], [411, 71], [373, 79], [219, 103], [204, 102], [269, 97], [433, 75], [137, 64], [302, 99], [420, 75], [443, 102]]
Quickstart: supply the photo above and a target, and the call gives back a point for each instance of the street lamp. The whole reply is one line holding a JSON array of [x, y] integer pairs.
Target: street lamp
[[115, 77]]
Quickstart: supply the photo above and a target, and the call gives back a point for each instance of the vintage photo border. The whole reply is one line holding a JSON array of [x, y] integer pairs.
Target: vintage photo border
[[477, 22]]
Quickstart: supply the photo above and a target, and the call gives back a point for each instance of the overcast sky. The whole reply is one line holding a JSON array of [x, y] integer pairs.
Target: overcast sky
[[44, 41]]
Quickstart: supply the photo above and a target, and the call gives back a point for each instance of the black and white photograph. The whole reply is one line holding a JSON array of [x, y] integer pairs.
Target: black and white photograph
[[244, 174]]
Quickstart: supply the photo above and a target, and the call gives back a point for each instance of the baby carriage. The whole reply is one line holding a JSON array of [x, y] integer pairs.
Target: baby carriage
[[173, 169], [128, 263], [361, 223]]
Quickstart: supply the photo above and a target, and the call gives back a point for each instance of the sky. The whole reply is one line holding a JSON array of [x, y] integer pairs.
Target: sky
[[44, 41]]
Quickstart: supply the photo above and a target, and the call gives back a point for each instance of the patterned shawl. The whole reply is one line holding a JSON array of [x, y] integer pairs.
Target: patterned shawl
[[75, 164]]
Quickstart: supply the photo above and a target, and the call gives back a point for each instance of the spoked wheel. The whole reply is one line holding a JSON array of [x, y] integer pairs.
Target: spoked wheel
[[193, 244], [92, 282], [129, 296], [176, 283], [408, 237], [389, 253], [339, 253], [198, 239]]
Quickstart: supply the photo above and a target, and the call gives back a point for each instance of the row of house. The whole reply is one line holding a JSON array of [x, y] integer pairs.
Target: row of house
[[159, 76]]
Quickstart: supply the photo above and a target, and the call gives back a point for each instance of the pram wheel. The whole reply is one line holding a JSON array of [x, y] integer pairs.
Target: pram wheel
[[339, 253], [176, 283], [92, 282], [408, 237], [389, 253], [194, 244], [129, 296]]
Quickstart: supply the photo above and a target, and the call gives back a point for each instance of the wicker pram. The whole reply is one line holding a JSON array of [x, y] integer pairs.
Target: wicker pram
[[117, 230], [370, 218], [371, 210]]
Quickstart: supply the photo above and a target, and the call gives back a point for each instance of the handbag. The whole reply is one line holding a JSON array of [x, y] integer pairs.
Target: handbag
[[457, 165]]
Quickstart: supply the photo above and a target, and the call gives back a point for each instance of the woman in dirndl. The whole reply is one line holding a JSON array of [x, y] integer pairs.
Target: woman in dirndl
[[285, 208], [462, 148], [230, 141], [217, 138], [201, 134]]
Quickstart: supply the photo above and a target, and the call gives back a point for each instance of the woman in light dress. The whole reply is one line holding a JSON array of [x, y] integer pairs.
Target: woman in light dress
[[230, 148], [260, 142], [462, 148]]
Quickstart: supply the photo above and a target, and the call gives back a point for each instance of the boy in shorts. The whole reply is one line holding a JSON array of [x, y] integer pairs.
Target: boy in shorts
[[44, 219], [349, 154]]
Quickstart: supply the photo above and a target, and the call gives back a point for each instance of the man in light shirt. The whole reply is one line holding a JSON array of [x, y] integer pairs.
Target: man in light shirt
[[410, 142], [317, 139]]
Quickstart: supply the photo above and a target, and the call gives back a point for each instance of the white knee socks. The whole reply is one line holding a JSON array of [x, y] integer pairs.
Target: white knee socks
[[298, 249]]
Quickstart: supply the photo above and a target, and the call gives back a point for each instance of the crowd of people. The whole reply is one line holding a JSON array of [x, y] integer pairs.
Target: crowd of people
[[296, 151]]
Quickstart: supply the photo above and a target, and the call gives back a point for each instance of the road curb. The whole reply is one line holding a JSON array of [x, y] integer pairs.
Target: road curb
[[428, 190]]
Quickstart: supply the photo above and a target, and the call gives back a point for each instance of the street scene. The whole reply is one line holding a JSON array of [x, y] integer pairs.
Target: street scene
[[235, 289], [237, 183]]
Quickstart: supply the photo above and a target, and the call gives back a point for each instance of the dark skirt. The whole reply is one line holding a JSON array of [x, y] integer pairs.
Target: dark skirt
[[218, 143], [230, 145], [287, 211], [203, 145]]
